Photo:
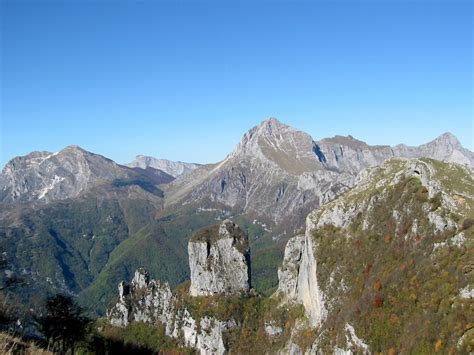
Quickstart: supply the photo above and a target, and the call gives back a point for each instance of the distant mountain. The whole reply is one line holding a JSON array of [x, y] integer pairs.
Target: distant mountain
[[445, 148], [173, 168], [273, 174], [347, 154], [279, 174], [45, 176]]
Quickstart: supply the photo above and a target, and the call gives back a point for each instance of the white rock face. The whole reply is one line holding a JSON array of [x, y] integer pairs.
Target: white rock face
[[142, 301], [210, 340], [307, 291], [152, 302], [297, 277], [141, 279], [354, 341], [288, 272], [173, 168], [467, 292], [219, 260], [273, 330]]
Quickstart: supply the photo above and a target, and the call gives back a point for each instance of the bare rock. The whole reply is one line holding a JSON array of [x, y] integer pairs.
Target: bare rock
[[219, 259]]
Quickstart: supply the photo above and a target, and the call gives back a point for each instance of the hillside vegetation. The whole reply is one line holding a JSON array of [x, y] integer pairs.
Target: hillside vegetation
[[395, 259]]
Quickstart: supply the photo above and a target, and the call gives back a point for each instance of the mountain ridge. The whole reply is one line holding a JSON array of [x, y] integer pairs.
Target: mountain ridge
[[45, 176], [285, 165], [173, 168], [132, 209]]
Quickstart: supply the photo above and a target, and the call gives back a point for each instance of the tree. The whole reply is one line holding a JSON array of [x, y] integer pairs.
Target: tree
[[64, 324], [9, 282]]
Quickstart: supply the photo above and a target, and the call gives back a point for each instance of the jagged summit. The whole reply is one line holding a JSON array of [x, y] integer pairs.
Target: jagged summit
[[447, 137], [279, 145], [447, 140], [272, 121], [74, 147], [445, 147], [272, 126]]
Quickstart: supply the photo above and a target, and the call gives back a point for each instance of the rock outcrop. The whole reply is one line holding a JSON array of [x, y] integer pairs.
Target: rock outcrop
[[289, 270], [219, 260], [144, 300], [298, 279], [220, 264], [152, 302]]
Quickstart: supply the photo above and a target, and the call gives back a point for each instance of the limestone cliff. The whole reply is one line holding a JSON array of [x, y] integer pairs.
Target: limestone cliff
[[219, 260], [152, 302], [298, 280]]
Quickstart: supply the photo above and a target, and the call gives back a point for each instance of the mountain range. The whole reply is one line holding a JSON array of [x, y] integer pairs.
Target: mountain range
[[77, 222]]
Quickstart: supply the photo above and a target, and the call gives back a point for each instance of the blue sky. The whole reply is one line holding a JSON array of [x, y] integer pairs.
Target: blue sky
[[184, 80]]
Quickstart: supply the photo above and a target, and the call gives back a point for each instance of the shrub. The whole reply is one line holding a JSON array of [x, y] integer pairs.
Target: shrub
[[377, 302], [467, 223], [378, 285]]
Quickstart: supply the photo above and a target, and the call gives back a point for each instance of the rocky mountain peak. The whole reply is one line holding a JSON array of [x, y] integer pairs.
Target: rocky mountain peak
[[49, 176], [219, 260], [272, 131], [76, 152], [278, 145], [272, 126], [447, 139], [446, 147], [74, 148]]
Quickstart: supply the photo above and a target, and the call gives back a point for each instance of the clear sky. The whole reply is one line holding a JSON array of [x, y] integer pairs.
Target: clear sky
[[184, 80]]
